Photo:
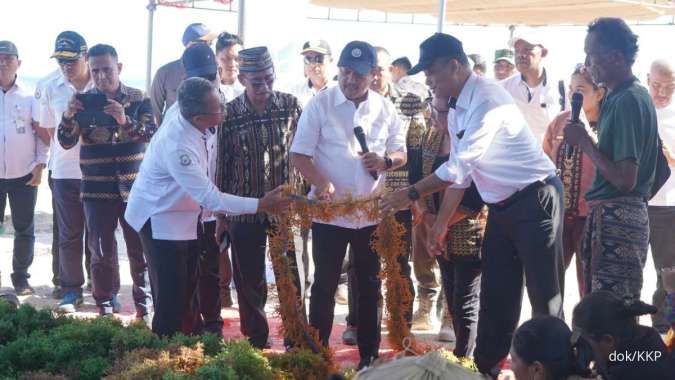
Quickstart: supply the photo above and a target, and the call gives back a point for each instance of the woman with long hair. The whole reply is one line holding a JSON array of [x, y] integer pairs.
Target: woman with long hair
[[577, 170]]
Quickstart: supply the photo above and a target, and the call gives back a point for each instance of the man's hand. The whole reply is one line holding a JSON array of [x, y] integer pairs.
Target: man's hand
[[438, 238], [393, 202], [74, 106], [575, 133], [419, 211], [274, 202], [221, 226], [373, 162], [324, 191], [36, 178], [116, 110]]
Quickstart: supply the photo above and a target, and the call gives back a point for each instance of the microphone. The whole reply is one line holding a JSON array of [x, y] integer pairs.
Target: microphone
[[361, 137], [577, 102]]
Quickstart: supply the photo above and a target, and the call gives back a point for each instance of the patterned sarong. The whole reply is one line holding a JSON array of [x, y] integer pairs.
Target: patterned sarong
[[614, 249]]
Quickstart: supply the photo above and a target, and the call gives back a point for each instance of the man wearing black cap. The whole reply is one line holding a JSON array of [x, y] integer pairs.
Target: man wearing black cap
[[168, 77], [112, 147], [253, 159], [23, 155], [493, 148], [325, 136], [65, 175]]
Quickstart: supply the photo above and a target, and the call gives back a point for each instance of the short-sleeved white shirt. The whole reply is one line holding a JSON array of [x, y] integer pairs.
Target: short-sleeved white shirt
[[326, 133]]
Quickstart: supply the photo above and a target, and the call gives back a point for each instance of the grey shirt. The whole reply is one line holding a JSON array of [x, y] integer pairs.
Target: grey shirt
[[164, 87]]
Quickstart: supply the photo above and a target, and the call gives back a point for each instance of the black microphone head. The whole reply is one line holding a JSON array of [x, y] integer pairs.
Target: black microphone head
[[577, 99], [577, 102], [358, 131]]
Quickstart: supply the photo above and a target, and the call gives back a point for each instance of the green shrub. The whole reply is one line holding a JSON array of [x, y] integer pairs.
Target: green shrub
[[247, 362], [300, 364], [16, 323]]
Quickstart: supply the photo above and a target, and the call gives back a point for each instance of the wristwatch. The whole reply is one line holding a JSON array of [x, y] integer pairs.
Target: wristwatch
[[413, 194], [388, 162]]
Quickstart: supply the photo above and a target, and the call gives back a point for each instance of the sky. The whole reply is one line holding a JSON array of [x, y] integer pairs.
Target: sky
[[283, 26]]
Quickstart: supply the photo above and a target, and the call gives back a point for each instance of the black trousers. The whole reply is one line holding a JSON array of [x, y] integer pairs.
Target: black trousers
[[461, 284], [209, 287], [249, 241], [102, 217], [523, 237], [173, 266], [329, 246], [405, 218], [55, 237], [662, 242], [22, 199]]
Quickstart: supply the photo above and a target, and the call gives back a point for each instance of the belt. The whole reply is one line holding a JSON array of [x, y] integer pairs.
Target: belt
[[522, 192]]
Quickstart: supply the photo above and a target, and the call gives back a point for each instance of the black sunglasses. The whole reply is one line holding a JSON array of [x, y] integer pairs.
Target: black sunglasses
[[315, 59]]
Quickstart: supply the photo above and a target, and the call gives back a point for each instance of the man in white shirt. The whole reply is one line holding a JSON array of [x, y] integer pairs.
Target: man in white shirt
[[317, 59], [168, 195], [325, 136], [22, 157], [493, 148], [64, 165], [661, 81], [533, 88]]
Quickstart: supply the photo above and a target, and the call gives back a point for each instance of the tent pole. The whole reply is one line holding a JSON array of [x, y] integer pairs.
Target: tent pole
[[152, 6], [241, 16], [441, 16]]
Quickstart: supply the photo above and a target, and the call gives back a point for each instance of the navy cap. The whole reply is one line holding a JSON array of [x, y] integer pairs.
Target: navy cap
[[69, 45], [437, 46], [198, 32], [8, 47], [199, 61], [359, 56]]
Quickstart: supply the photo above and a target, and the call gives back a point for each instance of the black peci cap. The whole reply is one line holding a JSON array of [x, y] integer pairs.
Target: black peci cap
[[437, 46]]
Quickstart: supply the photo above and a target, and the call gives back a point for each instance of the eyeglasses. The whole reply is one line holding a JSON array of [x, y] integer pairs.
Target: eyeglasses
[[314, 59]]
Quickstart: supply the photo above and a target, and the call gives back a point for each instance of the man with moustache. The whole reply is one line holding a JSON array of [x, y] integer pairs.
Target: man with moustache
[[110, 156], [493, 148], [661, 81], [325, 136], [65, 175], [253, 143], [317, 59]]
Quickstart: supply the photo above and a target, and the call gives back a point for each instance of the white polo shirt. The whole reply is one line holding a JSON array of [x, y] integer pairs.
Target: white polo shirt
[[304, 91], [326, 133], [491, 144], [20, 147], [540, 105], [172, 184], [54, 98], [666, 124]]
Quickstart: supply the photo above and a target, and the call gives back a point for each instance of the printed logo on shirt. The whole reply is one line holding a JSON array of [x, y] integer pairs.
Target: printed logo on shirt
[[38, 94], [184, 158]]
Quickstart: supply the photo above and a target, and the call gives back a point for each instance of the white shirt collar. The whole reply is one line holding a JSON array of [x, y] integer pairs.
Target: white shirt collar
[[465, 96], [190, 129]]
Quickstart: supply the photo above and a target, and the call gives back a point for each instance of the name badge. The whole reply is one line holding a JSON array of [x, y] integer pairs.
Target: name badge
[[20, 126]]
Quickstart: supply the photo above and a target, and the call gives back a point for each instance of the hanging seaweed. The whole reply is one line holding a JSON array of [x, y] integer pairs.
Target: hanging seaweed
[[387, 242]]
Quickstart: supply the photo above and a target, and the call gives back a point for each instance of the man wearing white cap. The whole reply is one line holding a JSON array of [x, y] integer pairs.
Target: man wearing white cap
[[534, 90], [168, 77]]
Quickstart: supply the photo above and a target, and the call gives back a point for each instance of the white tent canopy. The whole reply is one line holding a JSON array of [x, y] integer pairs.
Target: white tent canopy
[[509, 12]]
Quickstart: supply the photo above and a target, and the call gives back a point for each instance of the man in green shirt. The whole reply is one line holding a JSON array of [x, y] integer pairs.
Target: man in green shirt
[[616, 236]]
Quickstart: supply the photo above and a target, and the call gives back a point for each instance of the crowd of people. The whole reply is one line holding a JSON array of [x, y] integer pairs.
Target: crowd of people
[[495, 181]]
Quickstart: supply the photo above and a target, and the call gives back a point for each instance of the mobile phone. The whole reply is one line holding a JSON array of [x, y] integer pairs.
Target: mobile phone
[[92, 102]]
